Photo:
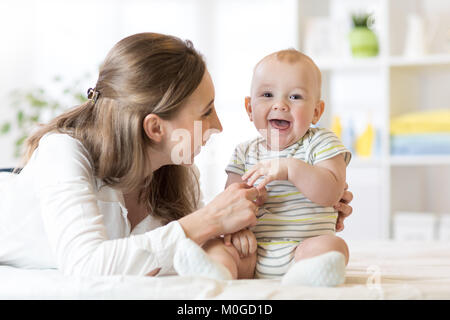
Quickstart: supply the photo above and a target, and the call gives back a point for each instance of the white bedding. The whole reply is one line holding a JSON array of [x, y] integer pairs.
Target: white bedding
[[376, 270]]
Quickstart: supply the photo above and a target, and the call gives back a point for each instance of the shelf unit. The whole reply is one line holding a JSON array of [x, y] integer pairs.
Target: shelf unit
[[378, 62], [430, 60], [381, 88], [426, 160]]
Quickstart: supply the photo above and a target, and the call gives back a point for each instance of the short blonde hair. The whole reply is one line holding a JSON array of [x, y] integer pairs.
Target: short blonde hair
[[292, 56]]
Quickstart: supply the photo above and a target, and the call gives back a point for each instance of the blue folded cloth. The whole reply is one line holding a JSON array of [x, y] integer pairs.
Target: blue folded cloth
[[420, 144]]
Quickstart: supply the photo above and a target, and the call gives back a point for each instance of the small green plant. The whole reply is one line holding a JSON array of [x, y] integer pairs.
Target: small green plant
[[362, 20], [37, 105], [363, 41]]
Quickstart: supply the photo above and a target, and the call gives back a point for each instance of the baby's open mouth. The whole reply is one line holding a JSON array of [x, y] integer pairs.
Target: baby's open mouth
[[280, 124]]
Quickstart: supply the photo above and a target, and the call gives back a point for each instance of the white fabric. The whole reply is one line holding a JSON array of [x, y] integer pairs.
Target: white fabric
[[191, 260], [325, 270], [56, 214], [376, 270]]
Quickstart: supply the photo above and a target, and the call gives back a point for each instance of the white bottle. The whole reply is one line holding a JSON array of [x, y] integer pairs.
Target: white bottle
[[415, 43]]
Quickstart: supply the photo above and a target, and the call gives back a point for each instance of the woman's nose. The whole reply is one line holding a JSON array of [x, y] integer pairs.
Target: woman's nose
[[219, 125], [215, 124], [214, 127]]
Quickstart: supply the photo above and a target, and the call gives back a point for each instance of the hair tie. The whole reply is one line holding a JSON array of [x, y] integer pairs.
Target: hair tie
[[93, 94]]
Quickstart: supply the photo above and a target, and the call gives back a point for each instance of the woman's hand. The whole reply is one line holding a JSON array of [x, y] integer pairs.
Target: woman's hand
[[244, 241], [230, 211], [343, 208]]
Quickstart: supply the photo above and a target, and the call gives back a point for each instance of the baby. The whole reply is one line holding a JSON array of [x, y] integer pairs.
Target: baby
[[303, 170]]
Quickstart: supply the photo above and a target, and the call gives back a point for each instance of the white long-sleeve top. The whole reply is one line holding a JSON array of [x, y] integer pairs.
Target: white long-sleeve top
[[56, 214]]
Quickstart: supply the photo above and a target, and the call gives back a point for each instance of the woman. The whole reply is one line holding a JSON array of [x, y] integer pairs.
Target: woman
[[100, 193]]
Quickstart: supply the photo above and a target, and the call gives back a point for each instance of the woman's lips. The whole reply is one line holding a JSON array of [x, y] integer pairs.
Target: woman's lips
[[280, 124]]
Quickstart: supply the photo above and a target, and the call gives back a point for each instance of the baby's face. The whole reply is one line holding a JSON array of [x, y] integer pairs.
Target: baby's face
[[284, 100]]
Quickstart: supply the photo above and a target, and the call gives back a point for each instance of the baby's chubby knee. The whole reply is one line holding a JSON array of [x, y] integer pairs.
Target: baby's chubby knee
[[321, 244], [332, 240], [340, 245]]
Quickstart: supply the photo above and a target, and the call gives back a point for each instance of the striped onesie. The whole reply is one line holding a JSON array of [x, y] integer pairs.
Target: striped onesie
[[287, 217]]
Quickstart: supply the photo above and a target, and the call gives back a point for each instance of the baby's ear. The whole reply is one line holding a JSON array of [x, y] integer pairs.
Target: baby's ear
[[248, 108], [318, 111]]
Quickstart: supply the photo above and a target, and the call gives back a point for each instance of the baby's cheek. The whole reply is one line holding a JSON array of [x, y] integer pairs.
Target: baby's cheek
[[302, 122], [259, 121]]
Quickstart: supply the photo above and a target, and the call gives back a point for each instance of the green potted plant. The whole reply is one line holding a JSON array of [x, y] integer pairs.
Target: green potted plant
[[363, 40], [37, 105]]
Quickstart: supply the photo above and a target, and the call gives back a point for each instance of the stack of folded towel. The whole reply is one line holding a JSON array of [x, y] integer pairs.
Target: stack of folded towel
[[421, 133]]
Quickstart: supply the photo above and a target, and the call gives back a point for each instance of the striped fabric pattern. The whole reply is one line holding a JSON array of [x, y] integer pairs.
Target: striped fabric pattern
[[288, 216]]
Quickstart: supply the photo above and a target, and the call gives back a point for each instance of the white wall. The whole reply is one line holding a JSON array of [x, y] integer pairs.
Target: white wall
[[243, 33]]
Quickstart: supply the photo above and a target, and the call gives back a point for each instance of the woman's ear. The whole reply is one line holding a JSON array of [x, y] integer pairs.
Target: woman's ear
[[318, 111], [153, 127], [248, 108]]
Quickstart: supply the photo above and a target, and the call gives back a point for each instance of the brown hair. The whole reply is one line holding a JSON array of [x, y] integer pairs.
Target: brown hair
[[142, 74]]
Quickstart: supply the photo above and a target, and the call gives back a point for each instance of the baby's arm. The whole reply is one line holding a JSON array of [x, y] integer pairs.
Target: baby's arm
[[322, 183], [232, 178]]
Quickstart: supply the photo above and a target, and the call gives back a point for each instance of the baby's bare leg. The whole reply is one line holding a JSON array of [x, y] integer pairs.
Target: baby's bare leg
[[319, 245], [228, 256]]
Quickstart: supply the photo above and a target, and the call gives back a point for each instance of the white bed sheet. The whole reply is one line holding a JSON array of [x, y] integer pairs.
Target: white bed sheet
[[376, 270]]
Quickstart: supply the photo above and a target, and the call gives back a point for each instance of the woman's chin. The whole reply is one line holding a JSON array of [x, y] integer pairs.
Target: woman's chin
[[187, 165], [196, 153]]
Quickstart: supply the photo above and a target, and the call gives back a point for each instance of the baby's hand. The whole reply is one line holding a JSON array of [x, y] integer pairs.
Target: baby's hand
[[244, 241], [275, 169], [261, 198]]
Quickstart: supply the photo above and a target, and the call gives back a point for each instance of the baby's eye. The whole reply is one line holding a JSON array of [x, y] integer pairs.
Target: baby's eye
[[296, 96], [267, 95]]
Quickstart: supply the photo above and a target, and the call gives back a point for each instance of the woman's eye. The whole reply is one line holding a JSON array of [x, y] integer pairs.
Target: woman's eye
[[296, 96], [207, 113], [267, 95]]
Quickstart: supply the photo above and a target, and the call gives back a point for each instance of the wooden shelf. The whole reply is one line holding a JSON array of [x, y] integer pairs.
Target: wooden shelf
[[425, 160], [401, 161], [372, 90], [358, 162], [349, 63], [429, 60]]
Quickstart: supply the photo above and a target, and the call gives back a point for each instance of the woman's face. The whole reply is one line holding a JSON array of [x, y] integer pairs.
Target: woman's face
[[193, 125]]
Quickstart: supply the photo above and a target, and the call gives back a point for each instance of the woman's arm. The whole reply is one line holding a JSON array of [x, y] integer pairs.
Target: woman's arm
[[230, 211], [65, 186]]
